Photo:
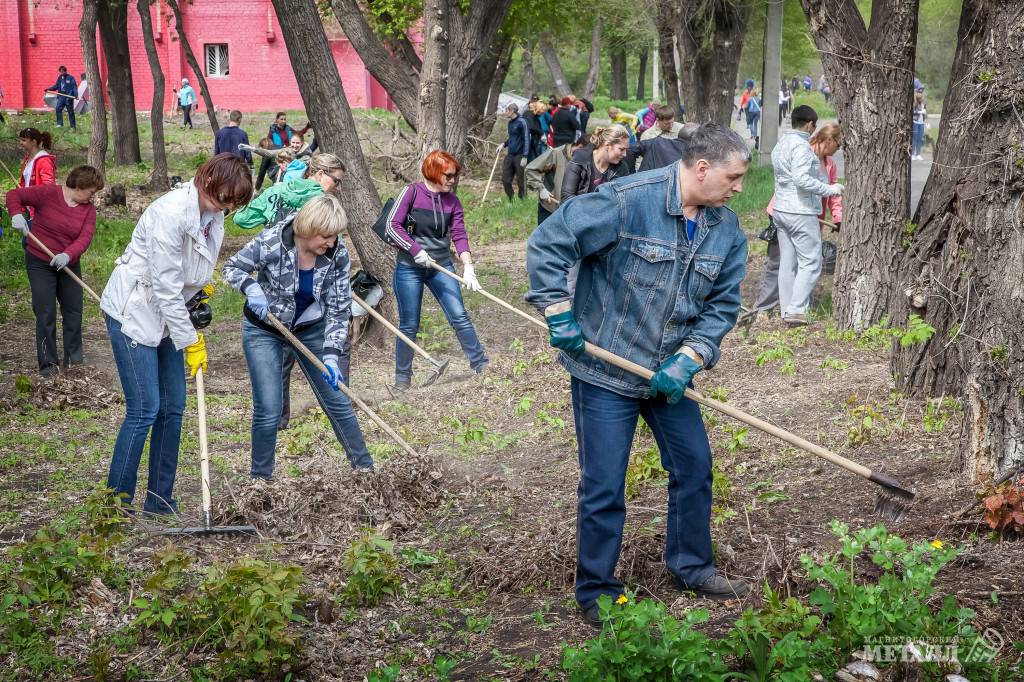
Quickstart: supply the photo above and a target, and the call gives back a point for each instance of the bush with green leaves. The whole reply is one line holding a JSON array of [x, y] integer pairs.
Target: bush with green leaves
[[373, 570], [641, 641]]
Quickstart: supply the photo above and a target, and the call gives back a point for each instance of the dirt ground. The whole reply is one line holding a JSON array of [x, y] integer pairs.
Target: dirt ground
[[493, 493]]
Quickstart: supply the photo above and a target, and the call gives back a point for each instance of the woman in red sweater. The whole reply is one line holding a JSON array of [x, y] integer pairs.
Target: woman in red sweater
[[39, 167], [64, 219]]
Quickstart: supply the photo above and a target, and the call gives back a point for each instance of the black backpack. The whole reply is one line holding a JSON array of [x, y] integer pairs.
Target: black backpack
[[380, 226]]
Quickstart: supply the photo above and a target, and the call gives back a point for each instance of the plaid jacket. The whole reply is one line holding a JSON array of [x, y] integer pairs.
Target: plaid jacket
[[271, 260]]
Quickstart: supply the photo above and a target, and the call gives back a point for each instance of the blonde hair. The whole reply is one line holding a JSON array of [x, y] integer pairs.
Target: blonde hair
[[609, 135], [538, 107], [324, 161], [323, 216], [285, 156], [829, 132]]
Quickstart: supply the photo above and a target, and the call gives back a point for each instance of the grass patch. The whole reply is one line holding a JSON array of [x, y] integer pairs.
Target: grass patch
[[816, 101], [758, 187]]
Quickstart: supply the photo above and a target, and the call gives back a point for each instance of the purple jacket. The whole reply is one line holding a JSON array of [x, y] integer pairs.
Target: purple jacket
[[434, 219]]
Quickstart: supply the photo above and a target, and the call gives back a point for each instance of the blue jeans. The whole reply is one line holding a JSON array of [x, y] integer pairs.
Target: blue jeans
[[408, 284], [153, 380], [752, 122], [917, 140], [264, 353], [605, 424]]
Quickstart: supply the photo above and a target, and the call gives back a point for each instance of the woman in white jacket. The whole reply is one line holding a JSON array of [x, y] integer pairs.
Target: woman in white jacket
[[169, 260]]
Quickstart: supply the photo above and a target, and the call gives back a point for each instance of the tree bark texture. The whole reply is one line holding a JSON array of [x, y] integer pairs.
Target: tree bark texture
[[112, 16], [493, 71], [324, 98], [199, 72], [594, 69], [158, 181], [665, 22], [550, 52], [873, 69], [709, 37], [87, 36], [529, 74], [617, 86], [962, 270], [433, 77], [641, 76]]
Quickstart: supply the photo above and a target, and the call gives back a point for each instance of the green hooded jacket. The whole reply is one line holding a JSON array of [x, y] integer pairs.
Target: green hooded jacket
[[284, 196]]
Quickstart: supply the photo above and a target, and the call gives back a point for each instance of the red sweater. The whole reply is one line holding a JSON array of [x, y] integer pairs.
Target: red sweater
[[63, 228]]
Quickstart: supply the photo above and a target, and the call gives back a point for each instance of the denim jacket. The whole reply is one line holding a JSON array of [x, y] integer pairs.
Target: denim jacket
[[643, 289]]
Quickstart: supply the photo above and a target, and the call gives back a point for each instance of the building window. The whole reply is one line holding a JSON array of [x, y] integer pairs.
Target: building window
[[217, 60]]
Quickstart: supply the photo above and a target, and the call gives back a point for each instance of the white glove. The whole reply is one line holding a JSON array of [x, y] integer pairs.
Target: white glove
[[523, 162], [469, 279], [60, 260], [423, 258], [835, 190], [547, 196], [245, 147], [19, 223]]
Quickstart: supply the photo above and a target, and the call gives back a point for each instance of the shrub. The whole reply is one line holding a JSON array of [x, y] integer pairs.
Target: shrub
[[373, 570]]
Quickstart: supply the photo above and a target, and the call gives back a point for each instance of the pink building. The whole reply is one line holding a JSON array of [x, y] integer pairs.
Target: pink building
[[237, 42]]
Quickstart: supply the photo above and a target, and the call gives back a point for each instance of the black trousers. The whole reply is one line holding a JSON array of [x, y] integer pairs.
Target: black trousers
[[187, 110], [542, 213], [510, 168], [50, 287]]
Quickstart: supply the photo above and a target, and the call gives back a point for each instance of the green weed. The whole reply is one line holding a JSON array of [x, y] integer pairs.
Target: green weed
[[373, 570]]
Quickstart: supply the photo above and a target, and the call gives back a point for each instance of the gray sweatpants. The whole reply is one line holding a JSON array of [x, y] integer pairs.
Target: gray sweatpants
[[768, 289], [799, 260]]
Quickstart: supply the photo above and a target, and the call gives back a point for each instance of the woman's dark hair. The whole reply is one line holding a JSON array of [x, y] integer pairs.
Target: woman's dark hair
[[84, 177], [803, 115], [44, 140], [226, 178]]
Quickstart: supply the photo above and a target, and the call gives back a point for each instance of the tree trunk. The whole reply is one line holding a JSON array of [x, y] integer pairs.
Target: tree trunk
[[112, 16], [710, 39], [498, 81], [158, 179], [398, 71], [875, 67], [641, 76], [433, 77], [529, 75], [87, 36], [617, 88], [324, 98], [594, 70], [665, 22], [554, 65], [199, 72], [962, 269]]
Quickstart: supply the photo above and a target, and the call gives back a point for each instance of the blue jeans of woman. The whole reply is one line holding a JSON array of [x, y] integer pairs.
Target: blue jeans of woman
[[153, 380], [605, 424], [753, 120], [408, 283], [264, 351], [917, 140]]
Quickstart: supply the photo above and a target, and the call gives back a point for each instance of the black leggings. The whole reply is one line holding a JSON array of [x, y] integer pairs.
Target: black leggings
[[50, 287]]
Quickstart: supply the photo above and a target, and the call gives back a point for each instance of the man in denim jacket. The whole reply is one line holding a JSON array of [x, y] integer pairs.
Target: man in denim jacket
[[659, 284]]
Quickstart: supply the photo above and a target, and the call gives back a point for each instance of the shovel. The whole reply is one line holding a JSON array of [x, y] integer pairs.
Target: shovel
[[311, 356], [893, 500], [439, 367], [204, 472]]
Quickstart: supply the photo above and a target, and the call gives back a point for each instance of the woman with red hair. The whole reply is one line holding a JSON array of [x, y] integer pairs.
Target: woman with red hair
[[424, 222]]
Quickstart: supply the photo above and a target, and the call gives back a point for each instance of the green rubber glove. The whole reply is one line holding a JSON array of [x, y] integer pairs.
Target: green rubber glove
[[564, 332], [673, 377]]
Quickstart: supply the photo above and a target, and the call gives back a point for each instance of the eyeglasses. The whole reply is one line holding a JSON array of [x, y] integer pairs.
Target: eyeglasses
[[337, 178], [451, 176]]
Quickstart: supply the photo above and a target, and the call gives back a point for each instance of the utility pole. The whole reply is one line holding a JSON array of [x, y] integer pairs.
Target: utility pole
[[771, 81]]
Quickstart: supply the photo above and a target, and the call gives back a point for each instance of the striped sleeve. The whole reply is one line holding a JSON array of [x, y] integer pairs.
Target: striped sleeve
[[396, 221]]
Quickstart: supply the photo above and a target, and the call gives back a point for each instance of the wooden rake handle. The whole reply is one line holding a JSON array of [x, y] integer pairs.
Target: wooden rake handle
[[67, 272], [739, 415], [301, 347], [394, 330], [204, 450]]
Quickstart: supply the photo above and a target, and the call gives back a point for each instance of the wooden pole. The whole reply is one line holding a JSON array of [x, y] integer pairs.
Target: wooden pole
[[67, 272]]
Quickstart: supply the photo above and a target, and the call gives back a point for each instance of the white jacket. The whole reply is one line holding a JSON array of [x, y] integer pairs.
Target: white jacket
[[799, 179], [167, 261]]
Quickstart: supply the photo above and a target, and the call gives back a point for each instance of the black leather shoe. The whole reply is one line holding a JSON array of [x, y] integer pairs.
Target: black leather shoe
[[721, 588], [592, 616]]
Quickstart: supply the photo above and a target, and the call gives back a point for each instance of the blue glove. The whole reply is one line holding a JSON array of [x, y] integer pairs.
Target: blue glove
[[564, 332], [256, 301], [333, 374], [673, 377]]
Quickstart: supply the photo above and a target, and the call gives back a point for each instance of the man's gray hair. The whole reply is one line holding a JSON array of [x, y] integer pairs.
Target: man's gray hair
[[513, 107], [714, 143]]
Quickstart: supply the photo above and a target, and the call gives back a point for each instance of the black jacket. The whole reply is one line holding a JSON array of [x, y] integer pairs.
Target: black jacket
[[658, 152], [565, 126], [580, 171]]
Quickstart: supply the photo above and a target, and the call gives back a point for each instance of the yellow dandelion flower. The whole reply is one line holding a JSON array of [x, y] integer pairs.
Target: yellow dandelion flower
[[937, 544], [622, 600]]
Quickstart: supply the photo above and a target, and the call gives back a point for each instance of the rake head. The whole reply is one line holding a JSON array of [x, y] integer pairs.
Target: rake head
[[439, 369], [893, 501], [200, 531]]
